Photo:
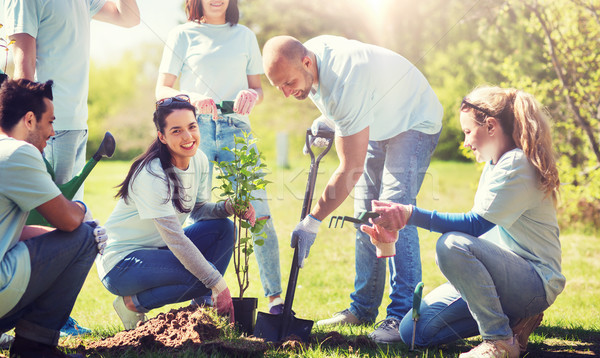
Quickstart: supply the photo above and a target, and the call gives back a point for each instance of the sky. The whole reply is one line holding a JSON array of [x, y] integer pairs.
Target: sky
[[158, 17]]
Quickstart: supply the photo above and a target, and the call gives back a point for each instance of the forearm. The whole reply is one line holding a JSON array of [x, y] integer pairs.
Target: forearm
[[209, 211], [468, 223], [30, 231], [337, 190], [186, 252]]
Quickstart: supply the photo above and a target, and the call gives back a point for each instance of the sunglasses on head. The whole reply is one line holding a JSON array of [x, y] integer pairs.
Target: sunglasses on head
[[165, 102], [471, 105]]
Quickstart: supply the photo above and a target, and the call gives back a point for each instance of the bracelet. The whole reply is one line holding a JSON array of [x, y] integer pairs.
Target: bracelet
[[82, 203]]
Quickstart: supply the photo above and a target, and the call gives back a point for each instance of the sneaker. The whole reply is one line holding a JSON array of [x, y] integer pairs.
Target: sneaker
[[524, 328], [494, 349], [276, 307], [386, 331], [72, 328], [129, 318], [6, 340], [343, 317], [24, 348]]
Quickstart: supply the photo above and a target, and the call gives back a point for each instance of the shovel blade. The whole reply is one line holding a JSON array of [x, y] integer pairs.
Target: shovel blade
[[270, 327]]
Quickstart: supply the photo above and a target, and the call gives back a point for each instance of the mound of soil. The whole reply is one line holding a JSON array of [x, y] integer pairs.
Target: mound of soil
[[174, 331]]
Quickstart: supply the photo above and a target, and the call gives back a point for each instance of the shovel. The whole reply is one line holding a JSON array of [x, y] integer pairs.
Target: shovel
[[275, 328], [69, 189]]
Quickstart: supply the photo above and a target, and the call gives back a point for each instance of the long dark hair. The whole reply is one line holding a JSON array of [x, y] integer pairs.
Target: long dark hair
[[193, 9], [159, 150]]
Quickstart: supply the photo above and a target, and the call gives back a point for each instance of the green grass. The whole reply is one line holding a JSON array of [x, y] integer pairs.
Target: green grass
[[571, 325]]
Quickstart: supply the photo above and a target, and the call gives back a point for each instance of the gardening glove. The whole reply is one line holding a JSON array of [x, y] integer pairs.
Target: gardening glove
[[248, 214], [384, 240], [205, 105], [304, 236], [392, 216], [221, 298], [100, 235], [245, 101], [322, 123]]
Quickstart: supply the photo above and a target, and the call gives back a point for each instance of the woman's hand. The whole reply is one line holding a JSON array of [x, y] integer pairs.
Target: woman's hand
[[392, 216], [204, 105], [245, 101], [384, 240], [221, 298], [247, 213]]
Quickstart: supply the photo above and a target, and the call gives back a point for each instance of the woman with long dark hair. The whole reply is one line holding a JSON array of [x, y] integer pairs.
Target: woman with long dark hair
[[216, 60], [150, 260]]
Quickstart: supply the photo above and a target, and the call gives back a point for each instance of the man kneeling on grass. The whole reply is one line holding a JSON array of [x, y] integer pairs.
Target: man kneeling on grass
[[42, 269]]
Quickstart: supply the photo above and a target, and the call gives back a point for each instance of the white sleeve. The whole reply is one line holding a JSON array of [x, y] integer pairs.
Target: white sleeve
[[186, 252]]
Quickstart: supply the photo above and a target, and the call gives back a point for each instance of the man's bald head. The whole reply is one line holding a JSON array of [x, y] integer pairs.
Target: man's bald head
[[281, 53]]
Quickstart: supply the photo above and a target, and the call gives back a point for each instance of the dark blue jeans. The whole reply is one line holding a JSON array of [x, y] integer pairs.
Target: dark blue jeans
[[155, 278], [60, 262]]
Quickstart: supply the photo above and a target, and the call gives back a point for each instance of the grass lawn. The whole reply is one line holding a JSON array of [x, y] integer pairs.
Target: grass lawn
[[571, 327]]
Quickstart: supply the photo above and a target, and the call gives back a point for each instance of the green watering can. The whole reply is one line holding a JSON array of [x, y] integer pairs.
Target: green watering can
[[106, 149]]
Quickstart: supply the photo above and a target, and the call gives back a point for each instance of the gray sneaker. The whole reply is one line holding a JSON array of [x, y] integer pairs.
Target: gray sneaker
[[6, 340], [386, 331], [343, 317]]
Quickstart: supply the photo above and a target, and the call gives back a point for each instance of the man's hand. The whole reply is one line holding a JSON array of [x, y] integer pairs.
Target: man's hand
[[221, 298], [321, 123], [100, 234], [392, 216], [245, 101], [304, 236], [384, 240]]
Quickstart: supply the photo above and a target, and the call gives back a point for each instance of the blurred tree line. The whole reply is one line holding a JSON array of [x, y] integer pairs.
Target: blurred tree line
[[550, 48]]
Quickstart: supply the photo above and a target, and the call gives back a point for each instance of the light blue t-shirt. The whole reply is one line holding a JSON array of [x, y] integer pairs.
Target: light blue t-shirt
[[130, 226], [24, 185], [213, 60], [362, 85], [62, 33], [510, 197]]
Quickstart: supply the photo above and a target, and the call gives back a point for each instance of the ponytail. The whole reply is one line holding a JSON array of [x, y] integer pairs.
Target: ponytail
[[521, 116]]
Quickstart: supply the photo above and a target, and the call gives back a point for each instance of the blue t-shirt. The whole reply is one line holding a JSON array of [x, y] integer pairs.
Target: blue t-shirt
[[62, 33], [130, 226], [213, 60], [363, 85], [24, 185], [509, 196]]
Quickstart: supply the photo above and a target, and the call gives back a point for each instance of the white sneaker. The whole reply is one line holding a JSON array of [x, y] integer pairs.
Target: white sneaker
[[6, 340], [343, 317], [129, 318], [494, 349], [387, 331]]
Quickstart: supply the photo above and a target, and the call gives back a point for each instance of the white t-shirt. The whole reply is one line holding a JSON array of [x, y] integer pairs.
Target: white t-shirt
[[130, 226], [509, 196], [24, 185], [362, 85], [62, 33], [213, 60]]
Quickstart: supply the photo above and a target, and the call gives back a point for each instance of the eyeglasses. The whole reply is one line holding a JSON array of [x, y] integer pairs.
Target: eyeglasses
[[468, 104], [165, 102]]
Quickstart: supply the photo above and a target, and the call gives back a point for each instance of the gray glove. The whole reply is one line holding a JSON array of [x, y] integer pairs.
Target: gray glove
[[319, 124], [100, 234], [304, 236]]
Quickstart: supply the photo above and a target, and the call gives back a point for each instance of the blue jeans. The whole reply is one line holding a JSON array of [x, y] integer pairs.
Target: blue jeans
[[154, 278], [498, 285], [66, 154], [60, 262], [215, 136], [394, 171]]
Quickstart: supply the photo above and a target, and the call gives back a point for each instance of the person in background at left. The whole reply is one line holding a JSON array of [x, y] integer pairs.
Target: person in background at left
[[217, 59], [42, 268], [52, 41]]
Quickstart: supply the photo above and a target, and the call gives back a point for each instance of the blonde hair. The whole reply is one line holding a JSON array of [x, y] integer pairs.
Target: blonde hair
[[522, 117]]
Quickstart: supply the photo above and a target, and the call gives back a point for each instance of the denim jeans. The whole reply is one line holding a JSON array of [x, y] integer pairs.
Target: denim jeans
[[66, 154], [155, 278], [214, 136], [394, 171], [498, 285], [60, 262]]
